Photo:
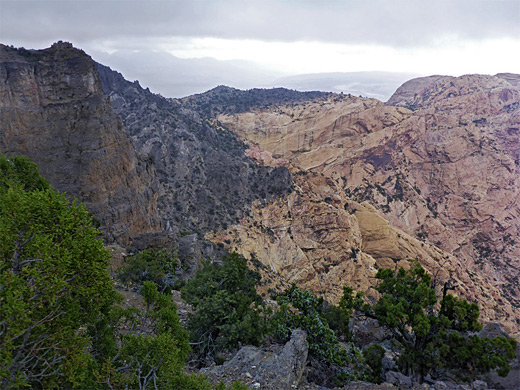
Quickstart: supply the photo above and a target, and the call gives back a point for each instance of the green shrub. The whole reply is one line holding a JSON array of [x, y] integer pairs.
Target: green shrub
[[22, 173], [154, 266], [54, 283], [338, 316], [301, 309], [227, 309], [60, 325], [373, 357], [430, 335]]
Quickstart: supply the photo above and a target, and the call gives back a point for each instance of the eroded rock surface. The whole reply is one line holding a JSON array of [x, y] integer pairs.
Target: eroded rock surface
[[208, 181], [322, 240], [441, 164], [53, 110]]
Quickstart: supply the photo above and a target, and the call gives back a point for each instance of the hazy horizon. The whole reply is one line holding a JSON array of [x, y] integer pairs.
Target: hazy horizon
[[260, 41]]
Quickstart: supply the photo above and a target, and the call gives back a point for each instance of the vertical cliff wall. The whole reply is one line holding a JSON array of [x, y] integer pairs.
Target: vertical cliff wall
[[53, 110]]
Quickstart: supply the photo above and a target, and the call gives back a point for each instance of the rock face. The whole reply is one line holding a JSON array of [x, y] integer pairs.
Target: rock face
[[162, 171], [322, 240], [441, 164], [274, 368], [208, 181], [52, 109]]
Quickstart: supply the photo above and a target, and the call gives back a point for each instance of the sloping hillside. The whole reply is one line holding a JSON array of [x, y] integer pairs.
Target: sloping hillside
[[441, 164]]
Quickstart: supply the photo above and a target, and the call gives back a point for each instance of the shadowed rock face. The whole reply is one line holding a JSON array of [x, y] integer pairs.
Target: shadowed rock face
[[208, 181], [53, 110], [441, 164]]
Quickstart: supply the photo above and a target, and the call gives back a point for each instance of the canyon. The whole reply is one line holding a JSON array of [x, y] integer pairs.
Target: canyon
[[317, 189]]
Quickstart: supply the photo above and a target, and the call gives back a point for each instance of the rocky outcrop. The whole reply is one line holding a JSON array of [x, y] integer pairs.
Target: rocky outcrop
[[275, 368], [163, 159], [306, 238], [53, 109], [407, 93], [441, 164], [322, 240]]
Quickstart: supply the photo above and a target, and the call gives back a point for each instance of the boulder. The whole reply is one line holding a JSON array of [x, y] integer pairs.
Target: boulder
[[480, 385], [274, 368], [400, 380]]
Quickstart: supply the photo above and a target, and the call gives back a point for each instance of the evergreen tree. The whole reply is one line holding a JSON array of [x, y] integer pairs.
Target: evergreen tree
[[227, 309], [433, 335], [301, 309], [60, 325], [54, 284]]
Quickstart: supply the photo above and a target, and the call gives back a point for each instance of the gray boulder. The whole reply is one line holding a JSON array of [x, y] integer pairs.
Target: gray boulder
[[273, 368], [480, 385], [400, 380]]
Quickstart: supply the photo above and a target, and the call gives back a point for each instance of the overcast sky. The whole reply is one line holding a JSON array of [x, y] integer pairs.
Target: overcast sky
[[293, 36]]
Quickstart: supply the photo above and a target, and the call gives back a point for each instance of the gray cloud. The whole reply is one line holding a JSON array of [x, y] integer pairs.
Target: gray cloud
[[409, 23]]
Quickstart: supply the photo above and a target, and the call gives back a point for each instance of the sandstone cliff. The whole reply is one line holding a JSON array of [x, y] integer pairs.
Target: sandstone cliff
[[52, 109], [441, 164]]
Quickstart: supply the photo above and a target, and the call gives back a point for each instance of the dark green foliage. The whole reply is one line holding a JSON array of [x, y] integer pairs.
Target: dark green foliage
[[54, 283], [150, 265], [22, 173], [153, 349], [228, 311], [301, 309], [406, 301], [433, 337], [471, 355], [338, 317], [373, 357], [60, 327], [234, 386]]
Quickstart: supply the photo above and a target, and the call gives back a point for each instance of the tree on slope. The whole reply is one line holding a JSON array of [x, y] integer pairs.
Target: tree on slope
[[60, 325], [227, 309], [433, 335], [302, 309], [54, 284]]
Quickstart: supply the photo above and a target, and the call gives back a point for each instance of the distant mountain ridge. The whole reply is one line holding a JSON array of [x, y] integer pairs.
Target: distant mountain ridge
[[227, 100], [176, 77], [377, 85]]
